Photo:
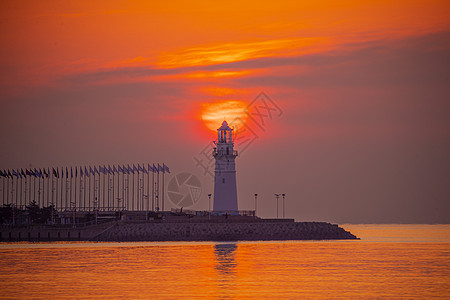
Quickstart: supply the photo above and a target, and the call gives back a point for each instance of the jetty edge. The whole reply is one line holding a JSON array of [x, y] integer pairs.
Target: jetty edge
[[181, 228]]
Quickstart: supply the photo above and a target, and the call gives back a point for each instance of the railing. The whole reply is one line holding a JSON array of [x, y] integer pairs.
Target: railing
[[224, 152], [242, 213]]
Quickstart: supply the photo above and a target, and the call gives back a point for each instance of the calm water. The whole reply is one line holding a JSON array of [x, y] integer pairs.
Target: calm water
[[391, 261]]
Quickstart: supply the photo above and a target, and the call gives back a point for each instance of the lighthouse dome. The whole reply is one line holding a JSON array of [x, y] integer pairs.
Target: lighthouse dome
[[224, 126]]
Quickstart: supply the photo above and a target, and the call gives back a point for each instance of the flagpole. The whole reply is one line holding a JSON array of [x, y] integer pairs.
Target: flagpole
[[5, 198], [70, 189], [118, 187], [17, 185], [148, 186], [138, 200], [48, 186], [109, 189], [118, 192], [39, 190], [20, 189], [29, 189], [12, 190], [128, 188], [34, 187], [99, 189], [60, 198], [95, 191], [153, 188], [75, 189], [84, 184], [104, 187], [132, 192], [113, 181], [5, 194], [23, 188], [157, 190], [89, 191], [82, 190], [53, 191], [58, 202], [43, 189], [81, 206], [3, 190], [61, 190], [19, 197], [67, 197], [123, 187], [162, 196], [57, 187], [56, 196], [139, 192], [10, 198], [6, 179], [81, 202], [7, 189]]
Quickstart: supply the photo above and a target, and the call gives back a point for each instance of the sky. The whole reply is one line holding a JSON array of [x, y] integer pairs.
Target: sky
[[341, 105]]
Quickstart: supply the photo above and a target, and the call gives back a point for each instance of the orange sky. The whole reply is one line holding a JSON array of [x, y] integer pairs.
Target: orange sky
[[46, 40], [368, 75]]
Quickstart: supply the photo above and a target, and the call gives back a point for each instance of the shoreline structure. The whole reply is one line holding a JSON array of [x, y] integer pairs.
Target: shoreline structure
[[105, 223], [180, 228]]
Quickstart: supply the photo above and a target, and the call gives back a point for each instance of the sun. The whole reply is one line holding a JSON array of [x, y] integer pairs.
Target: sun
[[233, 111]]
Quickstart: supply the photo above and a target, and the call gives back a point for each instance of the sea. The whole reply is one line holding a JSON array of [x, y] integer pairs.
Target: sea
[[388, 262]]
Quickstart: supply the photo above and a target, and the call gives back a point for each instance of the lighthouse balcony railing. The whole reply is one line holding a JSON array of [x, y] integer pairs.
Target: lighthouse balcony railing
[[224, 152]]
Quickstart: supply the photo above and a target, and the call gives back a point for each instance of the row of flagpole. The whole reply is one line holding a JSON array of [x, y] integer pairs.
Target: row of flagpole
[[86, 188]]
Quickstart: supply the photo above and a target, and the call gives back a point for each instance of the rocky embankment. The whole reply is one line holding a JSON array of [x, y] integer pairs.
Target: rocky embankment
[[181, 229], [204, 231]]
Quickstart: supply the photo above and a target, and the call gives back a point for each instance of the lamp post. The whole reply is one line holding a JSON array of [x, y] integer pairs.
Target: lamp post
[[118, 206], [145, 197], [277, 196], [256, 197], [96, 210], [52, 208], [284, 210], [73, 212], [209, 215]]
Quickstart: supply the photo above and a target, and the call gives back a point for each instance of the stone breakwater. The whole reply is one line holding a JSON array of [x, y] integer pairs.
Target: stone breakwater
[[246, 231], [182, 230]]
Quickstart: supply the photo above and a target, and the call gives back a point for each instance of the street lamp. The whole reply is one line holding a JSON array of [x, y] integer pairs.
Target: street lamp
[[209, 197], [284, 210], [73, 211], [256, 197], [277, 196], [146, 197], [96, 210], [118, 206]]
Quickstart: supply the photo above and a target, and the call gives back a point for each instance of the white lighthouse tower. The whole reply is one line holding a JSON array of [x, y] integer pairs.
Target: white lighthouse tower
[[225, 193]]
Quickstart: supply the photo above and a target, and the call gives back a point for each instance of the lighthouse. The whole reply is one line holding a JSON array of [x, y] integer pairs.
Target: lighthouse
[[225, 193]]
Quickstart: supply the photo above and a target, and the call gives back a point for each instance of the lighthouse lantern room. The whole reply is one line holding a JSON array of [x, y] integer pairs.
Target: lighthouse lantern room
[[225, 192]]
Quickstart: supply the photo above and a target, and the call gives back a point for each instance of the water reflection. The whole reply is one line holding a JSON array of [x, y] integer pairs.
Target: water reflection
[[225, 258]]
